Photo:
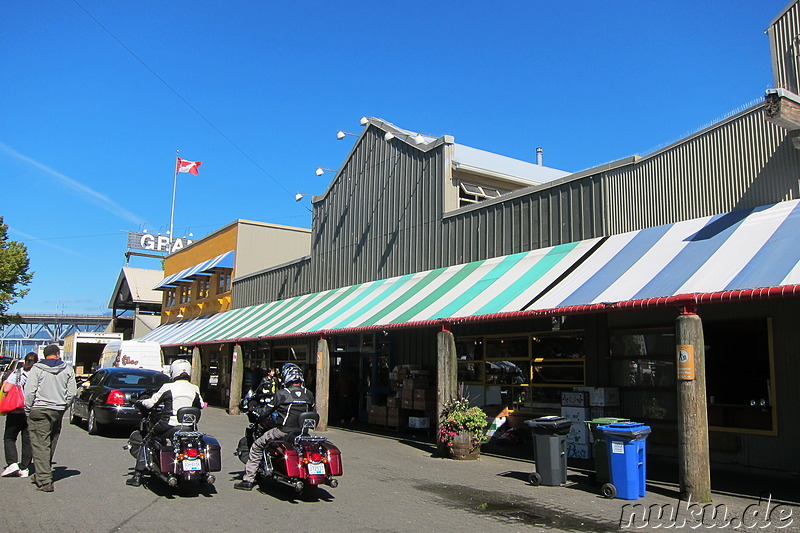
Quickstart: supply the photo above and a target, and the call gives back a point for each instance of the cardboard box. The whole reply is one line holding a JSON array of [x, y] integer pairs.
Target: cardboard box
[[576, 414], [424, 404], [377, 415], [419, 422], [78, 370], [407, 403], [575, 399], [579, 451], [421, 394], [407, 394], [578, 434], [419, 382], [393, 402], [601, 396]]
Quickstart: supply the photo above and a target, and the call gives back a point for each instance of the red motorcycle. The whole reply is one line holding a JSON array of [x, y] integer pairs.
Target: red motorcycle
[[300, 460]]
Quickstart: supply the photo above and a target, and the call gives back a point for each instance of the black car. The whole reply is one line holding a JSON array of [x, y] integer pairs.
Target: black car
[[107, 397]]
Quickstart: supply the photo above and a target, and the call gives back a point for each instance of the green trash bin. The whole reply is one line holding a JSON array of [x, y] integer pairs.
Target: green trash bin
[[602, 473]]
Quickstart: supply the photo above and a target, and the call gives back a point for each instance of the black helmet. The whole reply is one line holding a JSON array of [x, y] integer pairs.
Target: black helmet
[[290, 373]]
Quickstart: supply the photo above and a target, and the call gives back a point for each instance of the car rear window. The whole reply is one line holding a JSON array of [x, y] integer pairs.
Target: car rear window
[[137, 380]]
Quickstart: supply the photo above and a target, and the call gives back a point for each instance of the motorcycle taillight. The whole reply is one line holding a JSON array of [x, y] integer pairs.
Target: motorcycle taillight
[[312, 454], [116, 397], [191, 453]]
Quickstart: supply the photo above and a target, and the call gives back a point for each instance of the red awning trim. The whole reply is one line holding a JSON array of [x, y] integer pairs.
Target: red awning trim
[[688, 302]]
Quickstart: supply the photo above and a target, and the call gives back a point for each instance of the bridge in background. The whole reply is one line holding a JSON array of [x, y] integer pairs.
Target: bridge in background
[[18, 339]]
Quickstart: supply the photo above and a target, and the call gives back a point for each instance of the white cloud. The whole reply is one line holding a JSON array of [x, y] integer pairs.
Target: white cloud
[[99, 199]]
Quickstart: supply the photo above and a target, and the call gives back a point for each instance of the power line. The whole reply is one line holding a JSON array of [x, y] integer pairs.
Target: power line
[[181, 98]]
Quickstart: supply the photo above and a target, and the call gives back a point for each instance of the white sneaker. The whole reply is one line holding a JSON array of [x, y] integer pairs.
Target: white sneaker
[[23, 473], [11, 469]]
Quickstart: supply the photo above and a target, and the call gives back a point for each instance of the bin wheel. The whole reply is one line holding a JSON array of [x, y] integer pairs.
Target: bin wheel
[[609, 491], [535, 479]]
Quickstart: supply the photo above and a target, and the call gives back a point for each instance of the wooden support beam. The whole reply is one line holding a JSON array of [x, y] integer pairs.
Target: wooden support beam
[[447, 376], [694, 470], [197, 366], [237, 375], [323, 383]]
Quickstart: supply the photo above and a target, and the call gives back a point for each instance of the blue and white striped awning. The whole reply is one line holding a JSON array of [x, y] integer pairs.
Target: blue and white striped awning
[[175, 333], [741, 250], [202, 269]]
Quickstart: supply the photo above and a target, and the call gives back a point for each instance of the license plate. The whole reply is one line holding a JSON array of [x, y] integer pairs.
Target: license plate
[[316, 469], [191, 464]]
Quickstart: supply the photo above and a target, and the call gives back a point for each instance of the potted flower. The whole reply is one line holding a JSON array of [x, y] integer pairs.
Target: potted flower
[[462, 429]]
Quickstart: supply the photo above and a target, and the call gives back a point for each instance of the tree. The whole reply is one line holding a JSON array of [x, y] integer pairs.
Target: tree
[[14, 273]]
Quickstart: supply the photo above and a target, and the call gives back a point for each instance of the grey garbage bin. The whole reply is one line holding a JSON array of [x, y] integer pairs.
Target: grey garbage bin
[[550, 453]]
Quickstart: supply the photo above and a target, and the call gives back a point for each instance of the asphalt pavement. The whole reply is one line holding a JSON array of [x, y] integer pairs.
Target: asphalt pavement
[[392, 482]]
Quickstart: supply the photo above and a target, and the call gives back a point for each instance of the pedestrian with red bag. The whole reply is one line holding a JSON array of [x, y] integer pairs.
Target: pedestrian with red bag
[[17, 423]]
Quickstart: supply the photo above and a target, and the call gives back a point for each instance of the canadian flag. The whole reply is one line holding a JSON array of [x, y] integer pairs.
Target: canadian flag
[[191, 167]]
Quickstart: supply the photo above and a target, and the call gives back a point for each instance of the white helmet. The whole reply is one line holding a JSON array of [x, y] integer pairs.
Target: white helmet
[[180, 367]]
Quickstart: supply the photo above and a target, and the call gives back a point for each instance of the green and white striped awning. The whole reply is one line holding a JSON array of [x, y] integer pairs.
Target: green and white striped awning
[[499, 285]]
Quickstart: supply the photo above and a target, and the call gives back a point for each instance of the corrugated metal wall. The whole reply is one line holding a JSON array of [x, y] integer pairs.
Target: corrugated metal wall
[[383, 215], [278, 284], [783, 36], [741, 163], [525, 221]]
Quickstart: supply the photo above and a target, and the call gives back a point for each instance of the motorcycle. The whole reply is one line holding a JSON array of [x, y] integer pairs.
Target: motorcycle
[[301, 460], [182, 459]]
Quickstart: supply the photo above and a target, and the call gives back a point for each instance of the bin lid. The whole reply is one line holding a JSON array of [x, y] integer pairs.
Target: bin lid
[[627, 430], [550, 425]]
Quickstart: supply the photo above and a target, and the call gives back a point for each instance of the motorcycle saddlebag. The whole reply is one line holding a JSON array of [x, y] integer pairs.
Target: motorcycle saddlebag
[[334, 458], [167, 459], [213, 454], [283, 451]]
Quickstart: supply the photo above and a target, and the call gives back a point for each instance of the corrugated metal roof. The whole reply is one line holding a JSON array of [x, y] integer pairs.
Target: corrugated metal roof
[[476, 160], [140, 282]]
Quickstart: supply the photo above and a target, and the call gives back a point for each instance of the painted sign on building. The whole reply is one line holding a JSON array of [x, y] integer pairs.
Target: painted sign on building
[[155, 243]]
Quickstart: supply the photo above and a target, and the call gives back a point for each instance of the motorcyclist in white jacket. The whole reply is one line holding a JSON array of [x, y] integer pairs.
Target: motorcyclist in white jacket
[[180, 392]]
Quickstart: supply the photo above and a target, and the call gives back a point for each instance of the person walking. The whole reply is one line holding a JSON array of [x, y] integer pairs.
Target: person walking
[[17, 424], [49, 390]]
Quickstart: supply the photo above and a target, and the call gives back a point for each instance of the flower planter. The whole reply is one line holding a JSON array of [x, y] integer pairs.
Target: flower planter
[[462, 448]]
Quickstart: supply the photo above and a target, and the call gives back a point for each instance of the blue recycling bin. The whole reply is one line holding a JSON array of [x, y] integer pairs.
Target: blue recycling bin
[[627, 459]]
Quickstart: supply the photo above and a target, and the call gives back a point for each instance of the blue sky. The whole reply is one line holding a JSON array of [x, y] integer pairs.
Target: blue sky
[[97, 96]]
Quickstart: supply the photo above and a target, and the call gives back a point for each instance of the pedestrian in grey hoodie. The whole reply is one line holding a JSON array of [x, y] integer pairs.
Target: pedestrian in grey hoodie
[[48, 392]]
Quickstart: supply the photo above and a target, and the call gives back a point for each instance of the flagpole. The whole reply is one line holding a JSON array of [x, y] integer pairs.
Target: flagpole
[[172, 212]]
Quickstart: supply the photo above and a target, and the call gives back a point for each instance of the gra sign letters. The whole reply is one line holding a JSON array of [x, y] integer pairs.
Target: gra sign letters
[[155, 243]]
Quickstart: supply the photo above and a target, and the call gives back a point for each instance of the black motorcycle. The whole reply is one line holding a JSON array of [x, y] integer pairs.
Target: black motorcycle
[[182, 458], [300, 460]]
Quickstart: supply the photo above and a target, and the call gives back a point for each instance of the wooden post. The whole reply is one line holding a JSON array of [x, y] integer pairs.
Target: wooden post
[[694, 470], [197, 365], [323, 382], [447, 377], [237, 374]]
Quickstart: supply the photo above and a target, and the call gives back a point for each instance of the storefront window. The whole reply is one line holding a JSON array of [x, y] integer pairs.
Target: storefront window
[[524, 372], [738, 367], [223, 282]]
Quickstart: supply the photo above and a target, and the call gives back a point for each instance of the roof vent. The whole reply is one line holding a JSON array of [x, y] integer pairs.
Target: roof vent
[[539, 152]]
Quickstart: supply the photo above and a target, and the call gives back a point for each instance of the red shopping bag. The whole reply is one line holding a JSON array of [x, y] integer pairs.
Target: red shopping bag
[[14, 399]]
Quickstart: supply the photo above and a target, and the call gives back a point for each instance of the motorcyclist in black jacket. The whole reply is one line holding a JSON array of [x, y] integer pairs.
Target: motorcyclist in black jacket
[[288, 403]]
